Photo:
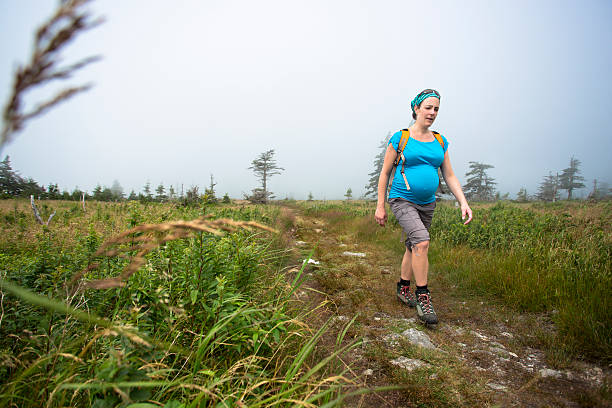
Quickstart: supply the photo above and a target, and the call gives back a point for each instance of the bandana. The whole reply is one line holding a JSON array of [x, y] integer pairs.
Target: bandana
[[420, 98]]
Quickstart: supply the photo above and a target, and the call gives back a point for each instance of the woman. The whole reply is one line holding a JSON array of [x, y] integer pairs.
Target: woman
[[412, 196]]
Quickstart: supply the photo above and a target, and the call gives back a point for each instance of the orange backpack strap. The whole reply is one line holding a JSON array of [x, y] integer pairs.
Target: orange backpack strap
[[438, 138], [400, 157], [402, 145]]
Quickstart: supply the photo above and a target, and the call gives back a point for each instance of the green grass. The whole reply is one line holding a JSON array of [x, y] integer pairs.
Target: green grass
[[206, 321], [553, 259]]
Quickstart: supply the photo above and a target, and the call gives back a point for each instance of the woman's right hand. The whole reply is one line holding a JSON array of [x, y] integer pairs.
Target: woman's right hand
[[380, 215]]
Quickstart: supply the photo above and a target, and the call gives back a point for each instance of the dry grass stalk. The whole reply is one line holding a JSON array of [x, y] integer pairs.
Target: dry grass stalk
[[154, 235], [67, 22]]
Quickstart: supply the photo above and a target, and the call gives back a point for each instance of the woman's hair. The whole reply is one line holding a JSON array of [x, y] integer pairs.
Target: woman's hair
[[416, 102]]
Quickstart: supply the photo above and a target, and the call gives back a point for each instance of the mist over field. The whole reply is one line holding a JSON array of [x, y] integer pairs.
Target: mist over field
[[201, 88]]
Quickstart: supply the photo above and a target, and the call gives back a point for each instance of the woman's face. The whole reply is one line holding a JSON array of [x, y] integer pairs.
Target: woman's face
[[427, 112]]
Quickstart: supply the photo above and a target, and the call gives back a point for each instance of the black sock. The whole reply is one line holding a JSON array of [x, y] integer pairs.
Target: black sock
[[403, 282], [421, 289]]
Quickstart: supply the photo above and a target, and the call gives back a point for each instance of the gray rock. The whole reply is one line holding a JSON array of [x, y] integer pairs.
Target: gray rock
[[392, 339], [508, 335], [408, 363], [480, 336], [499, 351], [496, 344], [405, 321], [497, 387], [378, 316], [368, 372], [418, 338], [547, 372], [356, 254]]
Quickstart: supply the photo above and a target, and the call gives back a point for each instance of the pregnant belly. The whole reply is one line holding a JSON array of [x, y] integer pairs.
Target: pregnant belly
[[423, 182]]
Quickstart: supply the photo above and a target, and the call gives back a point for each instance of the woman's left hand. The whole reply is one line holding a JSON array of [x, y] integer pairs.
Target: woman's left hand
[[466, 211]]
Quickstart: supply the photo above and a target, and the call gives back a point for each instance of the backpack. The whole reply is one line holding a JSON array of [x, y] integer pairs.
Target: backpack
[[400, 155]]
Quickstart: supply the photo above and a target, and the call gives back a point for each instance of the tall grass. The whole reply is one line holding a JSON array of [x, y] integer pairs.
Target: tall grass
[[542, 258], [553, 258], [201, 320]]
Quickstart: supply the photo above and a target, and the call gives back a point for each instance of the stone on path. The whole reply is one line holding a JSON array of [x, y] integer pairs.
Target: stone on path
[[408, 363], [497, 387], [357, 254], [418, 338], [392, 339], [547, 372]]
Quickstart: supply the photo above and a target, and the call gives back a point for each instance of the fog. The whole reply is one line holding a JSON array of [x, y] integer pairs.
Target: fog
[[203, 87]]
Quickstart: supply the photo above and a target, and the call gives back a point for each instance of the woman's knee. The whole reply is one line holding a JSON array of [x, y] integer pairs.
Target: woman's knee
[[422, 246]]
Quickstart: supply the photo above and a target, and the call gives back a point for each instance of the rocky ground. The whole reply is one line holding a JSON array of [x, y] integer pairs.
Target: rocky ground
[[480, 354]]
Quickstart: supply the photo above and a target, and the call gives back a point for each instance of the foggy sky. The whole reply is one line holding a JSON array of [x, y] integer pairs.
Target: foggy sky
[[190, 88]]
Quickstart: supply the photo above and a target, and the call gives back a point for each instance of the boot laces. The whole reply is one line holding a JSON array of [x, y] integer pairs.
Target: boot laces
[[425, 301]]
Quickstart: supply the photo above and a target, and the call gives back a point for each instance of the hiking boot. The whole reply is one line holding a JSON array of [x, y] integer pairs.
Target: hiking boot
[[405, 295], [425, 309]]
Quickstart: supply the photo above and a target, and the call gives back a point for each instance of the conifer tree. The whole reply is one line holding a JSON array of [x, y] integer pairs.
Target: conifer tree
[[372, 186], [11, 184], [349, 194], [549, 188], [479, 186], [264, 167], [117, 190], [521, 196], [147, 196], [161, 193], [570, 178]]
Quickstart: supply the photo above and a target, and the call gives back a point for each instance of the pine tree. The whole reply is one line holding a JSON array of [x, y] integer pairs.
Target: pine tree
[[372, 186], [264, 167], [11, 184], [209, 193], [310, 197], [442, 187], [521, 196], [570, 178], [349, 194], [147, 196], [53, 192], [479, 186], [161, 193], [97, 193], [549, 188], [117, 190], [171, 192]]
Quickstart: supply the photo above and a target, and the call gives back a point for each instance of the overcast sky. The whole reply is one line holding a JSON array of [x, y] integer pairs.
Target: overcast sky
[[190, 88]]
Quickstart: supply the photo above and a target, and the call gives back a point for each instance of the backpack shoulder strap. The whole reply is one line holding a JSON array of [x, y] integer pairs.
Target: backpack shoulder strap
[[401, 145], [438, 138]]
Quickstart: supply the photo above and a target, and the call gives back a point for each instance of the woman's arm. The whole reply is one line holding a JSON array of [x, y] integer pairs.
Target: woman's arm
[[383, 180], [455, 187]]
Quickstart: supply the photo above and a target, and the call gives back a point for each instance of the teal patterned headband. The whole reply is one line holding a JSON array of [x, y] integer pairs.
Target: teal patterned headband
[[422, 96]]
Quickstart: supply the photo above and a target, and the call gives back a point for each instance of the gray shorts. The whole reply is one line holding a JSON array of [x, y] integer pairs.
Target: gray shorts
[[415, 219]]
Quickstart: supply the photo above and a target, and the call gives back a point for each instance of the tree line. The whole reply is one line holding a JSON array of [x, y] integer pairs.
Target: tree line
[[12, 185], [480, 186]]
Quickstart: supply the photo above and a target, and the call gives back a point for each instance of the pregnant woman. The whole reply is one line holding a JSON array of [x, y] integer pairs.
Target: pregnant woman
[[414, 156]]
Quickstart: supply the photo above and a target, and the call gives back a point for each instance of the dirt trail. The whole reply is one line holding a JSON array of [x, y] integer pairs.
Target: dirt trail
[[479, 355]]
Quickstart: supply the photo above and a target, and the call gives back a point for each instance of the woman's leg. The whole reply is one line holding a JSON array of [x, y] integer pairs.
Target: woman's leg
[[406, 269], [419, 262]]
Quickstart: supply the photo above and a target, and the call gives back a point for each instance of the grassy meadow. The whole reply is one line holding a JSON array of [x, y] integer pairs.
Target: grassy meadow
[[206, 319], [551, 258], [203, 314]]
